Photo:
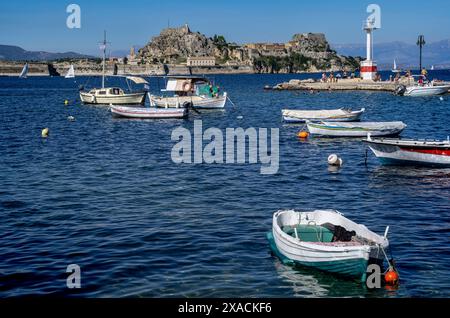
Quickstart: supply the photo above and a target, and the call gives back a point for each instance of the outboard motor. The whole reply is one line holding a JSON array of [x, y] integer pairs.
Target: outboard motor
[[400, 90]]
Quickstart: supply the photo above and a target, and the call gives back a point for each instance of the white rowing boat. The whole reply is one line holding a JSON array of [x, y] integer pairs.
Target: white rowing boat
[[302, 116], [148, 112], [334, 129], [326, 240]]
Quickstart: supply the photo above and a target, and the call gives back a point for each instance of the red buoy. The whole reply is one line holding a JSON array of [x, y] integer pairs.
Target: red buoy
[[391, 277]]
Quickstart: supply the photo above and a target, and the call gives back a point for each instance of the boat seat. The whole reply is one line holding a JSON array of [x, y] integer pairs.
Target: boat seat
[[310, 233]]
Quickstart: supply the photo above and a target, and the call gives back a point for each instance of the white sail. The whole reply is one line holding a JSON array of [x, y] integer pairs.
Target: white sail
[[395, 65], [71, 72], [24, 72], [432, 67]]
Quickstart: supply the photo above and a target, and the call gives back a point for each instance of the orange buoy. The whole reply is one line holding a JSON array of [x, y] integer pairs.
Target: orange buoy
[[391, 277], [303, 134]]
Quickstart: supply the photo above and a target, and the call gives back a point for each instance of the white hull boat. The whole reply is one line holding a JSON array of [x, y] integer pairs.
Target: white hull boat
[[148, 112], [114, 95], [340, 115], [426, 90], [202, 102], [326, 240], [333, 129], [411, 152]]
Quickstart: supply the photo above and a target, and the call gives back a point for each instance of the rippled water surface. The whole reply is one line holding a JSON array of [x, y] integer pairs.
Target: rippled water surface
[[103, 193]]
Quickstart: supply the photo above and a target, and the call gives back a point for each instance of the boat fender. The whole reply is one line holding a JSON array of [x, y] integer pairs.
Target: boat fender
[[45, 132], [187, 86], [334, 160], [302, 134], [391, 277]]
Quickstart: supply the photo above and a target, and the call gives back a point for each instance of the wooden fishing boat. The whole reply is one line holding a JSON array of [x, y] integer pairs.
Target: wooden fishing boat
[[302, 116], [148, 112], [198, 91], [334, 129], [411, 152], [326, 240]]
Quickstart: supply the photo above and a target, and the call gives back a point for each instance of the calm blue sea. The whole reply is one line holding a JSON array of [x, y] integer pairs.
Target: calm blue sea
[[103, 193]]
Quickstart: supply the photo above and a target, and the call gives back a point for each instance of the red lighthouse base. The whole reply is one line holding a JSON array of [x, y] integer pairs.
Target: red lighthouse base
[[368, 70]]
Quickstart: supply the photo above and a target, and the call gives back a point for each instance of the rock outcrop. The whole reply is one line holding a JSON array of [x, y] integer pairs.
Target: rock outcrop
[[307, 52]]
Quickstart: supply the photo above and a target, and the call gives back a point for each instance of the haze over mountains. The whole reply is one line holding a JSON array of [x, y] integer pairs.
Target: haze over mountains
[[406, 54], [15, 53]]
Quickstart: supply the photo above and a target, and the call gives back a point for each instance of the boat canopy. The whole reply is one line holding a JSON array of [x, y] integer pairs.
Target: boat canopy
[[180, 84], [137, 79]]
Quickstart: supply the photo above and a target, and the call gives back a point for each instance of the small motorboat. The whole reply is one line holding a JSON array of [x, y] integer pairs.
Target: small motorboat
[[326, 240], [422, 89], [302, 116], [334, 129], [148, 112], [411, 152]]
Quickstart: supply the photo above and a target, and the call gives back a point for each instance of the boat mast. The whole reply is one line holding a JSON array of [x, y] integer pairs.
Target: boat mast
[[104, 57]]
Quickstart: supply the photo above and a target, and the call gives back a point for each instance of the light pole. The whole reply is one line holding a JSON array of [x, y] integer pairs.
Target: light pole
[[421, 43]]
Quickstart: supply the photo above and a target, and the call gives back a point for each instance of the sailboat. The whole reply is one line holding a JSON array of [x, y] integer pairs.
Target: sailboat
[[113, 95], [395, 70], [24, 72], [71, 72], [432, 67]]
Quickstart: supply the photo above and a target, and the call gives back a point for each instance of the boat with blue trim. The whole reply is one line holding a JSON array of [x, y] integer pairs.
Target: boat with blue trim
[[326, 240], [335, 129]]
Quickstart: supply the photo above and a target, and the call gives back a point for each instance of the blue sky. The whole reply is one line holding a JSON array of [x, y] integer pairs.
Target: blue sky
[[41, 25]]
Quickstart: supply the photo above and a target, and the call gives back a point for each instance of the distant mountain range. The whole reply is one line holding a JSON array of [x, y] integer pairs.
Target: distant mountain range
[[15, 53], [406, 55]]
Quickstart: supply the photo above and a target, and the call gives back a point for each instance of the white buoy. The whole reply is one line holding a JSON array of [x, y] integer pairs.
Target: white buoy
[[441, 98], [71, 118], [334, 160], [240, 117], [45, 132]]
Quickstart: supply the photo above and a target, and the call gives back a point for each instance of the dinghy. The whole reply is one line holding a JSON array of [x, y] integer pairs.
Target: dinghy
[[326, 240], [333, 129], [148, 112], [302, 116], [411, 152], [71, 72], [24, 72]]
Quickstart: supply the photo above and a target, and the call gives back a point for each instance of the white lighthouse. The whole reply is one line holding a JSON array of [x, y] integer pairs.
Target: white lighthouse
[[369, 66]]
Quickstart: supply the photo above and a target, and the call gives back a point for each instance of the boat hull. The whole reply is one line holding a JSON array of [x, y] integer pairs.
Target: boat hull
[[347, 258], [355, 130], [148, 113], [402, 155], [352, 267], [196, 101], [417, 91], [290, 116], [126, 99]]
